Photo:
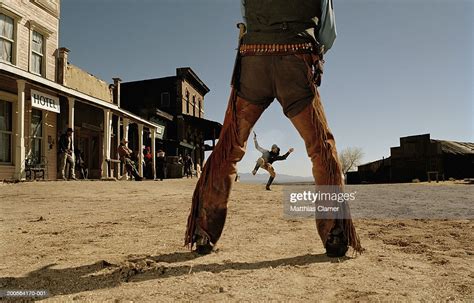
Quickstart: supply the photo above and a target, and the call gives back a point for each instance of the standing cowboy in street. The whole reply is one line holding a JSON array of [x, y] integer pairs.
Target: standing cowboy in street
[[280, 56], [188, 166]]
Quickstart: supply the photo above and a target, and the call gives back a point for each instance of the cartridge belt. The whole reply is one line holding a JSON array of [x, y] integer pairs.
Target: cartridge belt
[[276, 49]]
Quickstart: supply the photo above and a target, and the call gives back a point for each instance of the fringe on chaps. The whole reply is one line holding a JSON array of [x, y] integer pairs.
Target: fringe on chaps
[[209, 205]]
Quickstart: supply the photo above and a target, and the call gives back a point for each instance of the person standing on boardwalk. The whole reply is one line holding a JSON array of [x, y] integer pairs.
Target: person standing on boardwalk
[[161, 165], [280, 56], [188, 166], [66, 154]]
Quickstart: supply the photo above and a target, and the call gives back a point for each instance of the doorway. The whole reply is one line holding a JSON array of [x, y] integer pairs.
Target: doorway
[[89, 142]]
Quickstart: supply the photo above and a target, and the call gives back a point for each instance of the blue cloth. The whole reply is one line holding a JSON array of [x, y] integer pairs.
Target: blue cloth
[[327, 29]]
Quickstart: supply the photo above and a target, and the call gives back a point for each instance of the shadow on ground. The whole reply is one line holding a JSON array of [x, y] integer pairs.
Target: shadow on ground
[[102, 274]]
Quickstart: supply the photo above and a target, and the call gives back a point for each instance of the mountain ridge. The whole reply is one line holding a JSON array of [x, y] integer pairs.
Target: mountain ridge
[[280, 178]]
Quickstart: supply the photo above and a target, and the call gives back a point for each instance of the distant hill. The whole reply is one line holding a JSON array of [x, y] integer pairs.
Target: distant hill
[[280, 178]]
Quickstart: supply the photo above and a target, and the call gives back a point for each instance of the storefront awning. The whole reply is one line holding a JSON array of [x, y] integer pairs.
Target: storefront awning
[[187, 145], [66, 91]]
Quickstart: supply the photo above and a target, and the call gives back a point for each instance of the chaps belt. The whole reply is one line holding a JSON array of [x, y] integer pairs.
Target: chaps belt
[[278, 49]]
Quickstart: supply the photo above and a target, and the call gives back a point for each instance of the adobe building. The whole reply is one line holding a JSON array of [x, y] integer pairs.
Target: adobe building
[[419, 157], [42, 94], [177, 104]]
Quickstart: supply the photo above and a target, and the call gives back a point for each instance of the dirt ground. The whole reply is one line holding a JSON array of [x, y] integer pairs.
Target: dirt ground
[[122, 241]]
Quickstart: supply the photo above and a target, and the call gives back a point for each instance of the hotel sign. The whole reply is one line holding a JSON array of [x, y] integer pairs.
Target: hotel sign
[[44, 101]]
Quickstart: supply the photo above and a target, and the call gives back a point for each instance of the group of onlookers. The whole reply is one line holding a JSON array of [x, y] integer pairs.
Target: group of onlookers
[[131, 161], [128, 158]]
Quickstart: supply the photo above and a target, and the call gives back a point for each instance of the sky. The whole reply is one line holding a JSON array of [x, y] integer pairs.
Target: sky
[[397, 68]]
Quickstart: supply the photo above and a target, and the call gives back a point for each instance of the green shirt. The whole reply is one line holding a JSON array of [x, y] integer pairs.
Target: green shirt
[[289, 21]]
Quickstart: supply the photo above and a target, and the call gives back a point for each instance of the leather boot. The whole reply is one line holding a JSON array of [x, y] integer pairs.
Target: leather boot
[[312, 125], [209, 205], [270, 181], [136, 175], [257, 166]]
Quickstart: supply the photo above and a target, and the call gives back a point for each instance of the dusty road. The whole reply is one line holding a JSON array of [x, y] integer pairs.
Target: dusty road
[[123, 242]]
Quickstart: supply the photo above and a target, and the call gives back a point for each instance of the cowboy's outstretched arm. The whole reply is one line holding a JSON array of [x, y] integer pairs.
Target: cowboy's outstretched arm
[[283, 157], [258, 147]]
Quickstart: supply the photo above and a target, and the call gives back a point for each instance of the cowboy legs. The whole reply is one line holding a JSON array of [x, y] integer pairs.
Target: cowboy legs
[[292, 78], [209, 207], [269, 168], [260, 162], [67, 159], [337, 231]]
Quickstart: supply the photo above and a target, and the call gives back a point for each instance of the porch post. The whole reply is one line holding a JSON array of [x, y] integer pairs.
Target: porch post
[[118, 136], [70, 120], [106, 142], [153, 150], [20, 132], [117, 143], [126, 123], [140, 149]]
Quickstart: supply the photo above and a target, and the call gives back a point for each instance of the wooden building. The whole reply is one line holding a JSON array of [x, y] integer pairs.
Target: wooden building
[[419, 157], [42, 94], [177, 104]]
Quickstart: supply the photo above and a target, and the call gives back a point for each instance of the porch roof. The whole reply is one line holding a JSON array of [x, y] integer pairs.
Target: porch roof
[[16, 73]]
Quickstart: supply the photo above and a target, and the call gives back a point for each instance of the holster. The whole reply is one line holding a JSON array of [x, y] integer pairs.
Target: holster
[[236, 71]]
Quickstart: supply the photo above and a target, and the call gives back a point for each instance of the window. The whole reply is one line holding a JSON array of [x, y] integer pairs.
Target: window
[[200, 107], [165, 99], [187, 102], [6, 38], [5, 132], [37, 53], [36, 135], [194, 106]]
